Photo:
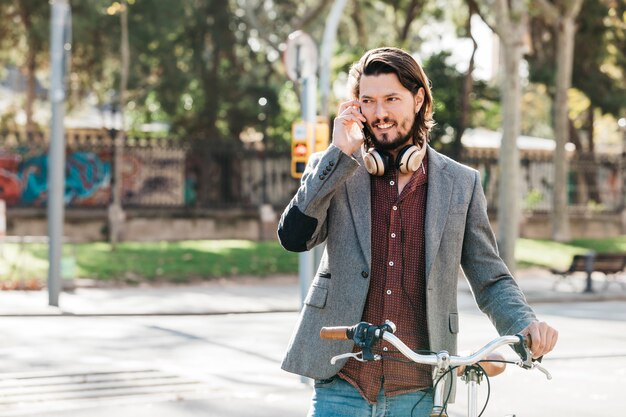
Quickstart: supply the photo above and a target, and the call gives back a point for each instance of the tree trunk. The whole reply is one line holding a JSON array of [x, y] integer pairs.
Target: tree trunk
[[116, 213], [357, 19], [411, 11], [587, 188], [510, 23], [564, 60], [508, 187], [468, 84]]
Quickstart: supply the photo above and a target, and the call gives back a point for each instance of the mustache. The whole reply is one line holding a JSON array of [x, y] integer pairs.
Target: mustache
[[382, 121]]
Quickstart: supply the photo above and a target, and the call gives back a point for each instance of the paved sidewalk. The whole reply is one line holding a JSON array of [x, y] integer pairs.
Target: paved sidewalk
[[247, 295]]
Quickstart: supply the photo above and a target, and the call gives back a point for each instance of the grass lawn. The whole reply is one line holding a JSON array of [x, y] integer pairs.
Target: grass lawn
[[153, 261], [547, 253], [186, 261]]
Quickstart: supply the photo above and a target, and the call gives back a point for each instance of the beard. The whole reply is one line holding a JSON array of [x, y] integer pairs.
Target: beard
[[387, 143]]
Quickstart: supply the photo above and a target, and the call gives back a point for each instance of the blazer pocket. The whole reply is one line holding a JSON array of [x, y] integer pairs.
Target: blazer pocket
[[316, 297], [454, 323]]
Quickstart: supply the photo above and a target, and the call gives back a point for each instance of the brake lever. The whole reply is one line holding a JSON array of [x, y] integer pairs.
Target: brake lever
[[543, 370], [358, 356]]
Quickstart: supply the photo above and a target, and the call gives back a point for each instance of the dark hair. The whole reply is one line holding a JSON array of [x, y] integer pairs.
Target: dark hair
[[389, 60]]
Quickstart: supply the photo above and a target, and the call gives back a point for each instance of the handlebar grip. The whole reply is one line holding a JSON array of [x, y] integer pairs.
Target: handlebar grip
[[335, 333]]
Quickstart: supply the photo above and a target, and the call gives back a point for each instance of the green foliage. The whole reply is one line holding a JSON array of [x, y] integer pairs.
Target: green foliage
[[599, 54], [447, 88], [202, 66], [533, 199], [536, 111]]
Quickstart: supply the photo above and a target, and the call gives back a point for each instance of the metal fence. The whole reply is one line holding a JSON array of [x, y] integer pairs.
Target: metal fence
[[197, 174], [156, 172], [594, 183]]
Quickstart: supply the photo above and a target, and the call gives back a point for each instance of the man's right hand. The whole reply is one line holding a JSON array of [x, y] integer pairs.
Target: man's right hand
[[347, 127]]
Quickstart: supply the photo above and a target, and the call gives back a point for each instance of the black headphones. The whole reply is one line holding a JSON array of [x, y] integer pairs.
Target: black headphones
[[409, 160]]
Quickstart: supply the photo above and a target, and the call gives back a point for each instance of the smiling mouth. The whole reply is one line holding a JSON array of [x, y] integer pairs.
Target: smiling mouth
[[383, 126]]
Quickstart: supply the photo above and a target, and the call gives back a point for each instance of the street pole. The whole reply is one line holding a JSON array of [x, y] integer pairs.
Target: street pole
[[308, 261], [330, 33], [60, 22], [301, 59]]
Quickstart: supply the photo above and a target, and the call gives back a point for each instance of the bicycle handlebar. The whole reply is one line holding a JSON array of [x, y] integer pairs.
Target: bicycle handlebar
[[436, 359], [365, 334]]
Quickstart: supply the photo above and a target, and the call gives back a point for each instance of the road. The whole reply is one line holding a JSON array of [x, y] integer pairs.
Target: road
[[228, 365]]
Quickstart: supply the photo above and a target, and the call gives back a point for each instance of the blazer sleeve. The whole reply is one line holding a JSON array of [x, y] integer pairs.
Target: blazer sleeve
[[303, 223], [494, 288]]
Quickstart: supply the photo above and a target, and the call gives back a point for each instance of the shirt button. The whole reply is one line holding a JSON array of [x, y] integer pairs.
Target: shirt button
[[395, 208], [392, 182], [393, 235], [331, 163], [364, 274], [388, 292], [390, 263], [322, 177], [328, 167]]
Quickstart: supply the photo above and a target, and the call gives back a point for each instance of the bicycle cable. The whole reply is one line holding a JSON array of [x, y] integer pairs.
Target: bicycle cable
[[488, 387], [488, 381]]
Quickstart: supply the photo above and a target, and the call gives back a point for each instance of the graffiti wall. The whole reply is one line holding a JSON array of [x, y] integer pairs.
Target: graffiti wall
[[24, 178], [154, 177], [151, 176]]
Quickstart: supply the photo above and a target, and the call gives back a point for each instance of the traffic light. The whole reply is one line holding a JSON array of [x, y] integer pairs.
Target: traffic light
[[322, 134], [300, 147]]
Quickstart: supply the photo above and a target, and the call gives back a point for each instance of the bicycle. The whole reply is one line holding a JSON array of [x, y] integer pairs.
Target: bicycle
[[472, 368]]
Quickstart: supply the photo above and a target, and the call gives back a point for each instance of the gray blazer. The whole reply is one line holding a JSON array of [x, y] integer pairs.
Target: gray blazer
[[333, 205]]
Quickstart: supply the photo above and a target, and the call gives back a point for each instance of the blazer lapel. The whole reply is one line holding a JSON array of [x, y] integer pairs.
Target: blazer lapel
[[359, 198], [440, 185]]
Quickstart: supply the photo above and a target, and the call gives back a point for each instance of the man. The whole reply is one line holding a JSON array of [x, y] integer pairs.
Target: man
[[399, 221]]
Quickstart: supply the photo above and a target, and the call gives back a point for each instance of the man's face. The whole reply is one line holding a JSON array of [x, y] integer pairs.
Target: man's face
[[389, 109]]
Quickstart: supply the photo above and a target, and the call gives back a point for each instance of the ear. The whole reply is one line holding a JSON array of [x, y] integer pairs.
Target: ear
[[419, 99]]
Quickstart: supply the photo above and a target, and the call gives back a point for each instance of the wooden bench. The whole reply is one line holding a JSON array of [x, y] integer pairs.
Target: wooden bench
[[610, 264]]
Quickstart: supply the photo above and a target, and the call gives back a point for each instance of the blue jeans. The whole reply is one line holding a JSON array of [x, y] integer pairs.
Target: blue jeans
[[337, 398]]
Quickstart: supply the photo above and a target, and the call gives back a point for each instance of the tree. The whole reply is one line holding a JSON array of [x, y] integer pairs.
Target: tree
[[27, 43], [562, 15], [509, 22], [454, 104], [600, 58]]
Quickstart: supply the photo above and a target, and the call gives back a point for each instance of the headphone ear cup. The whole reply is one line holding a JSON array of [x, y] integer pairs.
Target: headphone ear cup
[[375, 162], [410, 159]]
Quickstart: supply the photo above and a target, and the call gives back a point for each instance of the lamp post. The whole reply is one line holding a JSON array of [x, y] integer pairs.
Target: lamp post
[[114, 125]]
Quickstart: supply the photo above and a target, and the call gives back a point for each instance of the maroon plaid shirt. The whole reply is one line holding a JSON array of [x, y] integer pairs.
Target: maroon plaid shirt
[[397, 289]]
